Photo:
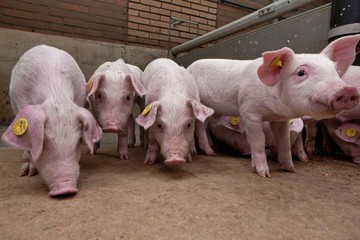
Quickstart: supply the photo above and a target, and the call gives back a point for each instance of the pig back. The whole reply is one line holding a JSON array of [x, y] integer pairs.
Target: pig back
[[45, 72], [163, 76]]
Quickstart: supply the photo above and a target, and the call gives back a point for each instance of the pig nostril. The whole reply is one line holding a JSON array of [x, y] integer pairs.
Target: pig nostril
[[354, 98], [339, 98]]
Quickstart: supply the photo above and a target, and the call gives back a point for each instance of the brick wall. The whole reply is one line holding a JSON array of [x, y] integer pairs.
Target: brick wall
[[135, 22], [148, 21], [90, 19]]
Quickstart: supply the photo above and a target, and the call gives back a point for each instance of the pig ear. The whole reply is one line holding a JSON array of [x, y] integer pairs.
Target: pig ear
[[296, 125], [27, 130], [342, 52], [148, 116], [348, 132], [273, 62], [200, 111], [93, 84], [91, 130], [133, 83]]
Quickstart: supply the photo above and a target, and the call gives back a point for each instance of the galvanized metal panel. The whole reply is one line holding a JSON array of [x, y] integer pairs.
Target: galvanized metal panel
[[304, 33]]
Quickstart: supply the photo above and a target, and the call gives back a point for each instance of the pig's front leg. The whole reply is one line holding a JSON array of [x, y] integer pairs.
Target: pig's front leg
[[152, 150], [131, 132], [122, 145], [200, 130], [282, 135], [256, 139], [27, 168]]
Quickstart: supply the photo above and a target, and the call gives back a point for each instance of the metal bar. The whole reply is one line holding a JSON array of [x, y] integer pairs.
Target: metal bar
[[267, 13], [239, 5]]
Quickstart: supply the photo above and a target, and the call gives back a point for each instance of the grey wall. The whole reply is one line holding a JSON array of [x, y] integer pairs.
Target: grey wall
[[89, 55]]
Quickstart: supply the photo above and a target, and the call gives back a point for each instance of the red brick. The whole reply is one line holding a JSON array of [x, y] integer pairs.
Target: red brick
[[75, 7], [160, 11], [171, 7], [138, 33], [153, 3], [139, 20], [190, 11], [150, 15], [16, 13], [8, 3], [209, 3], [199, 7], [181, 3], [139, 7], [208, 16]]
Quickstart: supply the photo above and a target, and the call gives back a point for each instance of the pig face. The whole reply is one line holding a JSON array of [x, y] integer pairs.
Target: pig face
[[171, 120], [111, 95], [310, 83], [230, 130], [53, 137]]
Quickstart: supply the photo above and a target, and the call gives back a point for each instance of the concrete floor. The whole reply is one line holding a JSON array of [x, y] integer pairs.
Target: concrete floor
[[212, 198]]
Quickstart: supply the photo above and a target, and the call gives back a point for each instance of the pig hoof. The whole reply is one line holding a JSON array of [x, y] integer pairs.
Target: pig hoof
[[172, 162], [28, 169], [123, 156], [61, 190], [210, 152], [264, 173]]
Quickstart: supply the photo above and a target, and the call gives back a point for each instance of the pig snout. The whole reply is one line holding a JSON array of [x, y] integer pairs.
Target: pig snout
[[63, 188], [111, 126], [345, 98], [174, 159]]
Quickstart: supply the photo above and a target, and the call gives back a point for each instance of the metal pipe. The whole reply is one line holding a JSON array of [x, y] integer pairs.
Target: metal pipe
[[239, 5], [267, 13]]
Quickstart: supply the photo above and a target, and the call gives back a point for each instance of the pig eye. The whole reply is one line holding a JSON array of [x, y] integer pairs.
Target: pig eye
[[128, 98], [159, 125], [301, 73], [188, 125], [98, 95]]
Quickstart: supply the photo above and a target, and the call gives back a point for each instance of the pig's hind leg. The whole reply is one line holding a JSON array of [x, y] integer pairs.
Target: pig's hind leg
[[282, 135]]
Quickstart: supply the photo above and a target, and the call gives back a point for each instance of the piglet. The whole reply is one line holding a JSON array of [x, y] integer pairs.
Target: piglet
[[230, 130], [344, 129], [47, 92], [173, 106], [112, 91], [276, 87]]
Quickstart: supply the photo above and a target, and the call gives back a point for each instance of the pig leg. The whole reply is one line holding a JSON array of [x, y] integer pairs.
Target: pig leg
[[152, 151], [200, 130], [256, 139], [27, 168], [96, 147], [311, 131], [193, 148], [282, 135], [298, 149], [142, 136], [122, 148], [131, 132]]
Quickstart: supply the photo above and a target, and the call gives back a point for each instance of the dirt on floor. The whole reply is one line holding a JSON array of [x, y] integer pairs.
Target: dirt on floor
[[215, 197]]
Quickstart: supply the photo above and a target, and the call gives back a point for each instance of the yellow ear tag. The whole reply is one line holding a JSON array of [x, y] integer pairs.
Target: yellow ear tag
[[20, 126], [234, 121], [146, 110], [276, 62], [350, 132], [291, 121], [91, 82]]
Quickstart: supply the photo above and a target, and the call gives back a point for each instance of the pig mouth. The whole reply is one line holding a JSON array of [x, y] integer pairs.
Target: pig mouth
[[324, 107]]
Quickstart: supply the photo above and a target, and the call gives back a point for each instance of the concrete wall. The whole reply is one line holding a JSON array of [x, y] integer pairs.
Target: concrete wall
[[89, 55]]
